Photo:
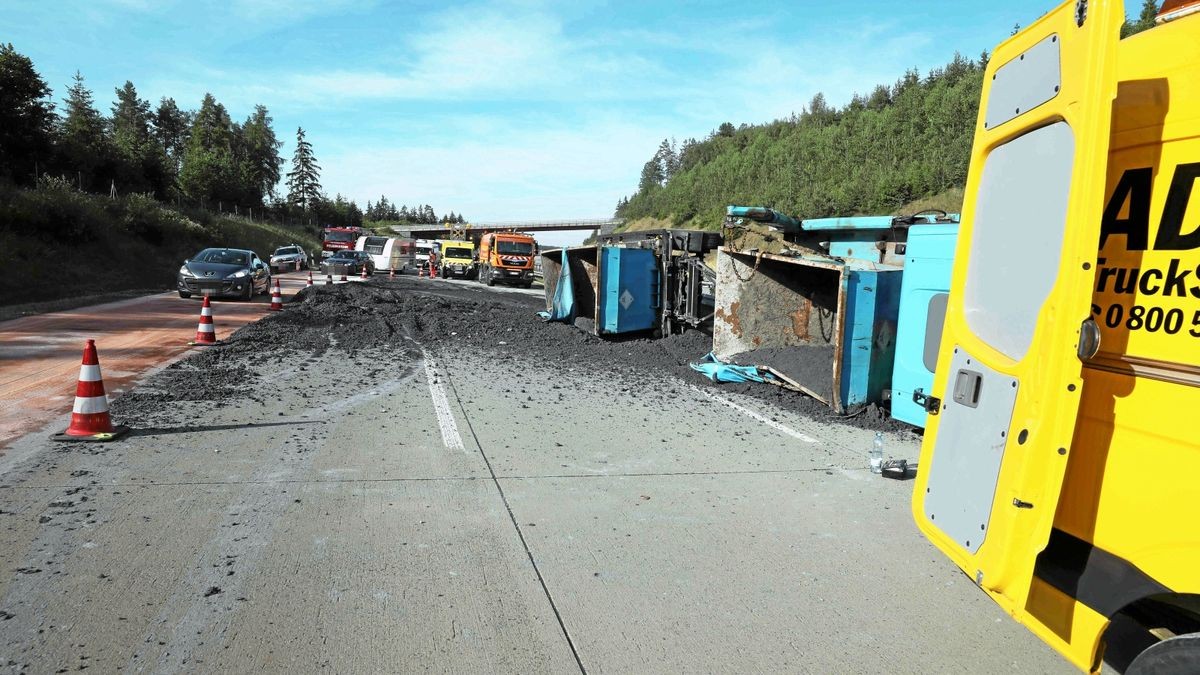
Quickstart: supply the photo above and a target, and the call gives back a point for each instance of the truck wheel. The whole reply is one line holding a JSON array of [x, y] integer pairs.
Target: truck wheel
[[491, 277], [1174, 656]]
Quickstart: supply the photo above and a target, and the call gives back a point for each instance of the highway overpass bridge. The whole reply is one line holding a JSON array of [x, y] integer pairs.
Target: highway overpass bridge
[[475, 230]]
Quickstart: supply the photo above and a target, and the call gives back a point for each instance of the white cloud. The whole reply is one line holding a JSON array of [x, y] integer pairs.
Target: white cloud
[[555, 156]]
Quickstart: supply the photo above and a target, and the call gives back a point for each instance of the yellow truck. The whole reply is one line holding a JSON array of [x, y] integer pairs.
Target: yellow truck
[[457, 259], [1060, 468]]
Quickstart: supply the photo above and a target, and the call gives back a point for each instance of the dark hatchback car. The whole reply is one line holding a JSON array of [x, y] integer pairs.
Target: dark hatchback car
[[224, 273], [348, 262]]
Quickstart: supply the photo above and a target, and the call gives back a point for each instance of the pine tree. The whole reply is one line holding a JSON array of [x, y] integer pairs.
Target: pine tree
[[130, 119], [211, 172], [819, 110], [142, 163], [212, 128], [84, 144], [172, 128], [430, 216], [668, 158], [26, 117], [261, 160], [304, 180], [652, 174], [1146, 16]]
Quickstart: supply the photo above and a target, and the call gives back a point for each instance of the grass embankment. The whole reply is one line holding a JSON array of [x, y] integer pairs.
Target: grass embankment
[[57, 242]]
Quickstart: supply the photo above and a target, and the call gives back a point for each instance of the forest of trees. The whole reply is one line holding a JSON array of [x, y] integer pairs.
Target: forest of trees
[[384, 211], [199, 158], [876, 154]]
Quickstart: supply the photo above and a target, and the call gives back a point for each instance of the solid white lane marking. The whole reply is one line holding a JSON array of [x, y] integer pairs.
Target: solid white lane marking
[[781, 428], [441, 406]]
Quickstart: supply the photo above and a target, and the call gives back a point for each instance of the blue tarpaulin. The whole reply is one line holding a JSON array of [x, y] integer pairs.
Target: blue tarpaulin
[[562, 307], [717, 371]]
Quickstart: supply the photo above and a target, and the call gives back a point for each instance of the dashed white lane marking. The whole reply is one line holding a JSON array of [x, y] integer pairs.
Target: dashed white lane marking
[[781, 428], [441, 406]]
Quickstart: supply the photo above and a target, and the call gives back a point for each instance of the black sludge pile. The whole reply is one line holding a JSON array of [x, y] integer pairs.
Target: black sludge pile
[[404, 315]]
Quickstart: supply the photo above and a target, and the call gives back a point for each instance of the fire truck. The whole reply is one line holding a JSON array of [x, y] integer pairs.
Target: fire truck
[[335, 239]]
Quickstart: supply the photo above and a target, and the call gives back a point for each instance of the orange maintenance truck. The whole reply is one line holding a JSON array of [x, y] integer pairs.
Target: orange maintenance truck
[[507, 258]]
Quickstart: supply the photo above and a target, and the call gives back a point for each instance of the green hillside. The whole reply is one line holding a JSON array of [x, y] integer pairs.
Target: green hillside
[[904, 146]]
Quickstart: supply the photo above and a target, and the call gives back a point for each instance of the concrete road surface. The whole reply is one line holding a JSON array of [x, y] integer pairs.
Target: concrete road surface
[[421, 507]]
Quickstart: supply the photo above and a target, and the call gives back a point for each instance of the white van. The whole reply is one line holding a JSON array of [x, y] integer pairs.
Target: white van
[[389, 253], [423, 247]]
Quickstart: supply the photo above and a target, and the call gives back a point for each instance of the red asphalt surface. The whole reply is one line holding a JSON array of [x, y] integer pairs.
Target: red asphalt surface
[[40, 355]]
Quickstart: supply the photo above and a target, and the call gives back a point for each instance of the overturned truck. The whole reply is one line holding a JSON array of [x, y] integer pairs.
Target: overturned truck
[[652, 281], [823, 314]]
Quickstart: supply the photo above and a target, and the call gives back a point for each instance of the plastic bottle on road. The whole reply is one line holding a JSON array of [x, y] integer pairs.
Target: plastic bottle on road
[[876, 455]]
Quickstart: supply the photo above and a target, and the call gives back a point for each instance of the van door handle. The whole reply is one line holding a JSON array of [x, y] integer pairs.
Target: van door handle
[[968, 385]]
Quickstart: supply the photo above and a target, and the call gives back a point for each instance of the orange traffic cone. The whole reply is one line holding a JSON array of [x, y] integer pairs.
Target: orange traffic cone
[[420, 272], [89, 417], [364, 272], [206, 333], [310, 283], [276, 298], [391, 272], [343, 275], [329, 279]]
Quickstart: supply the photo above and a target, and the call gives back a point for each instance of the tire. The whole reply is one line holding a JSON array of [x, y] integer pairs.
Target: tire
[[248, 296], [491, 277], [1179, 655], [527, 284], [184, 294]]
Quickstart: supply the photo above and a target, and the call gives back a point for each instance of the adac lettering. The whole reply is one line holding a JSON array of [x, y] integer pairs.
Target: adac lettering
[[1134, 188]]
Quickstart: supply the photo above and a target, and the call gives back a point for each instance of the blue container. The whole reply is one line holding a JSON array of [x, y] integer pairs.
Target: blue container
[[872, 299], [628, 290], [927, 266]]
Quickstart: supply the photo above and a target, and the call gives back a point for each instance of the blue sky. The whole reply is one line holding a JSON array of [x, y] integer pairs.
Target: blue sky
[[500, 110]]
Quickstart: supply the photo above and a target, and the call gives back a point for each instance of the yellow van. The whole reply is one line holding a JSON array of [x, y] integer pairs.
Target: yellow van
[[457, 259], [1060, 467]]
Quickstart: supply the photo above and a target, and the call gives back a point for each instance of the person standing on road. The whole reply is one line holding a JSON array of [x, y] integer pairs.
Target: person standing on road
[[433, 259]]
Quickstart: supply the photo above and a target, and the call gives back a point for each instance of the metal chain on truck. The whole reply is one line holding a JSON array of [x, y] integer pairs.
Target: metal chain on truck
[[733, 245]]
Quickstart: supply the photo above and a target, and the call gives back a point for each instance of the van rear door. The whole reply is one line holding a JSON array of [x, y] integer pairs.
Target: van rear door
[[1006, 392]]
